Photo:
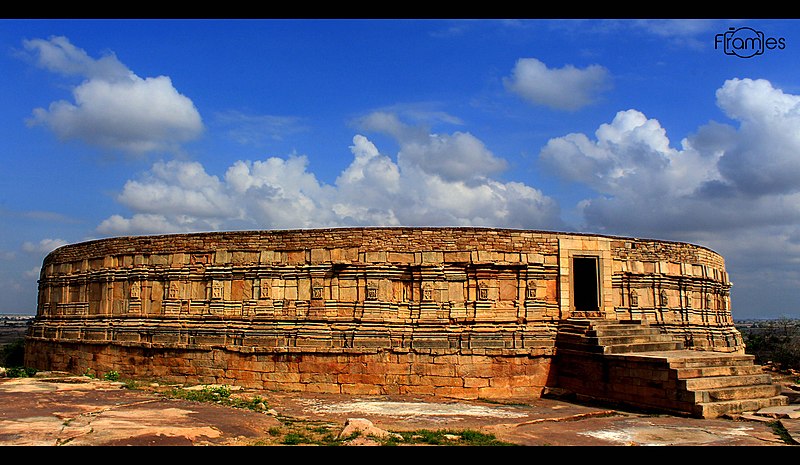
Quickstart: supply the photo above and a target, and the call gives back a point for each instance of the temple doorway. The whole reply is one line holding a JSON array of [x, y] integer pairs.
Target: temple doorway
[[585, 285]]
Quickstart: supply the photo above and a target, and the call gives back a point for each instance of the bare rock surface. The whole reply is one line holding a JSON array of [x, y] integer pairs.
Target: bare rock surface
[[83, 411], [363, 432], [76, 410], [783, 411]]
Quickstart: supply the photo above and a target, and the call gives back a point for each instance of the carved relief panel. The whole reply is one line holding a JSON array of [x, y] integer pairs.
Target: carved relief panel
[[530, 289], [372, 290], [483, 293], [264, 289], [483, 290], [427, 292], [634, 298], [316, 292], [217, 289], [317, 288], [663, 300], [136, 290], [200, 258], [173, 291]]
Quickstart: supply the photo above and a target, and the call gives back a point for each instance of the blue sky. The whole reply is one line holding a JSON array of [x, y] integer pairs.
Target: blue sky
[[626, 127]]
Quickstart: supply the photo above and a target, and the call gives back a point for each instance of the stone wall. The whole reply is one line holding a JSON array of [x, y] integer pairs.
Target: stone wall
[[459, 312], [682, 288]]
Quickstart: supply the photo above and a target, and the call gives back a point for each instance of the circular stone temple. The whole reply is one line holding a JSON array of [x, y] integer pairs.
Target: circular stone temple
[[457, 312]]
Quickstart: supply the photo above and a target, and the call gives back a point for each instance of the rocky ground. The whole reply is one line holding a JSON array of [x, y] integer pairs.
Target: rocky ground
[[53, 409]]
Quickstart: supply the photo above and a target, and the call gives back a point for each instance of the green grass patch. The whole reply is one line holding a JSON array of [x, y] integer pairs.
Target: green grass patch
[[218, 395], [21, 372], [446, 438], [293, 439]]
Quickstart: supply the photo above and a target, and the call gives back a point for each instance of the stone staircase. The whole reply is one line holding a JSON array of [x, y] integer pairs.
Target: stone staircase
[[613, 337], [629, 362]]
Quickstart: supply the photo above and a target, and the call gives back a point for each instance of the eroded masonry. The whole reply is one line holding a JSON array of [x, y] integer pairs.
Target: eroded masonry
[[457, 312]]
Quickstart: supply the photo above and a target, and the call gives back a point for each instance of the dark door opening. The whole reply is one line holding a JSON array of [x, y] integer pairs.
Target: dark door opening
[[585, 284]]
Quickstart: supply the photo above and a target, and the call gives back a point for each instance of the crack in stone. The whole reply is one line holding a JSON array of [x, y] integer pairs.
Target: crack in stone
[[89, 416], [578, 416]]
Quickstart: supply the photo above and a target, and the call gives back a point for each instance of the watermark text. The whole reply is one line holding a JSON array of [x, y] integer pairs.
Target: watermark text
[[746, 42]]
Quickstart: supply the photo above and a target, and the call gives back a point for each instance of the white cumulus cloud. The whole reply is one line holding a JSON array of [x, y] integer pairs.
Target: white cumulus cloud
[[568, 88], [726, 187], [426, 183], [630, 155], [113, 107], [720, 178], [459, 156], [44, 246], [765, 157], [177, 187], [147, 223]]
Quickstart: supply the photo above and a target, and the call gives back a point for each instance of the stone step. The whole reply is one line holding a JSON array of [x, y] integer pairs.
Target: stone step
[[612, 340], [718, 409], [597, 323], [583, 326], [624, 330], [725, 370], [581, 346], [576, 329], [617, 340], [643, 347], [714, 382], [578, 346], [708, 359], [761, 391]]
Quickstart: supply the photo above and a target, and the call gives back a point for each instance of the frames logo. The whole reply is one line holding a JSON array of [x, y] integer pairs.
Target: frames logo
[[746, 42]]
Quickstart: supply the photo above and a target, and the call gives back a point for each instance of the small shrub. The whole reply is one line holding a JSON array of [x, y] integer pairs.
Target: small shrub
[[295, 438], [476, 438], [13, 354], [132, 384], [448, 437], [257, 403], [111, 376], [207, 394], [220, 395], [21, 372]]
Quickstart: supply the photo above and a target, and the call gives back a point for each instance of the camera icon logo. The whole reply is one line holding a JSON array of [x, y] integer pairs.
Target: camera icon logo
[[746, 42]]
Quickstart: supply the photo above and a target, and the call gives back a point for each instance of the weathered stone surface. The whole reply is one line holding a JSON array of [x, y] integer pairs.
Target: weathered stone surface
[[459, 312], [784, 411], [364, 428], [79, 410]]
